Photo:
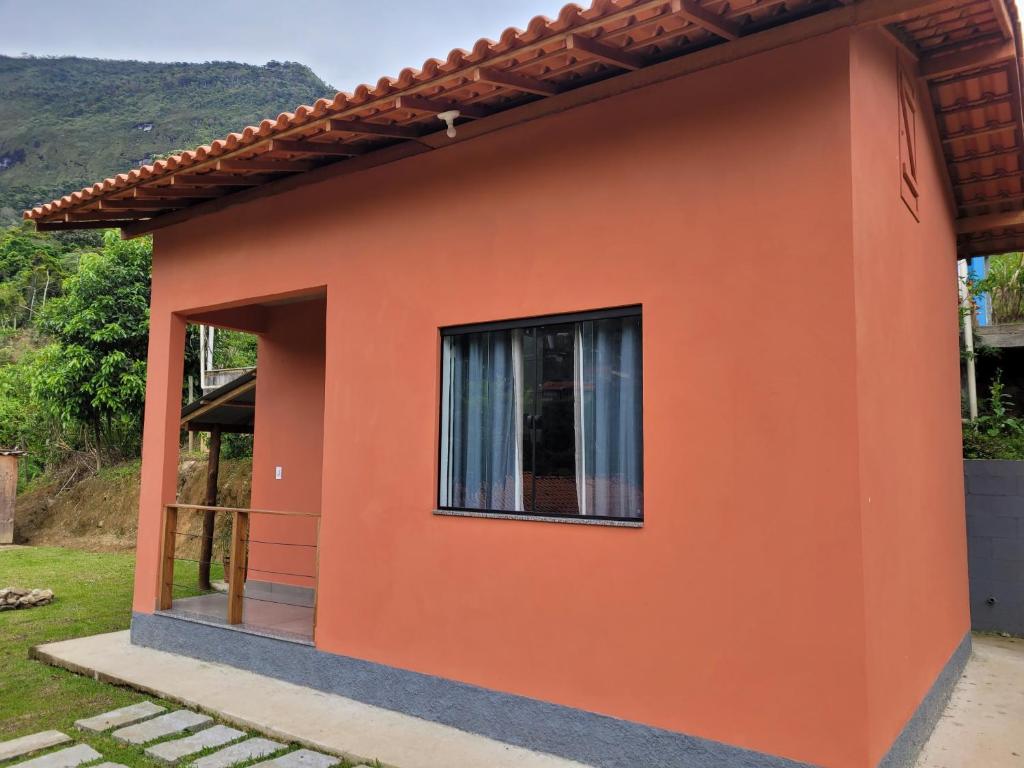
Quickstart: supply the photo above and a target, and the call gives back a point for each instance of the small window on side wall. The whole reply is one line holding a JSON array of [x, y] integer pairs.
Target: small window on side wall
[[909, 190], [544, 417]]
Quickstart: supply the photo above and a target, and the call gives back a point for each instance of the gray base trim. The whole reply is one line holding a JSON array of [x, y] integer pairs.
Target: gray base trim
[[589, 738], [904, 751]]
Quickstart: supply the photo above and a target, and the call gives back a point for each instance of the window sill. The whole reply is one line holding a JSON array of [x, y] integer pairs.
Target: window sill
[[541, 518]]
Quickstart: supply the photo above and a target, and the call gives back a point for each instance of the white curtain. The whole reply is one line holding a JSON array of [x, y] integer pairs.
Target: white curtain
[[609, 416], [578, 391], [482, 438]]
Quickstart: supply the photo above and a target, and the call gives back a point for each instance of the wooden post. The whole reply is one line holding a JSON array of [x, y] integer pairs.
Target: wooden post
[[8, 493], [316, 584], [209, 516], [236, 584], [167, 558]]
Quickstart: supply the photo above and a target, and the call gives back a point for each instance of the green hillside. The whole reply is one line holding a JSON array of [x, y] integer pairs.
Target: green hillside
[[68, 122]]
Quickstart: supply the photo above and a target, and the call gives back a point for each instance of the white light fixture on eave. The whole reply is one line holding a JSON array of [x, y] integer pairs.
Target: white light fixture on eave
[[449, 119]]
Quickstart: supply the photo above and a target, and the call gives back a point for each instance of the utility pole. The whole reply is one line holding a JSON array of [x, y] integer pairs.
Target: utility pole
[[968, 322], [190, 398]]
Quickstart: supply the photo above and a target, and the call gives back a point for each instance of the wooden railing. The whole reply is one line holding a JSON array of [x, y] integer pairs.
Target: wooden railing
[[238, 562]]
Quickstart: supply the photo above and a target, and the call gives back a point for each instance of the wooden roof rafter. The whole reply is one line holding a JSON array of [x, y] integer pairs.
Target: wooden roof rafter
[[997, 176], [168, 190], [988, 100], [719, 25]]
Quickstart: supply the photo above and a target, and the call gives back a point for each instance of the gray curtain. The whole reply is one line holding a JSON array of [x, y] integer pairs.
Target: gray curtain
[[610, 418], [483, 467]]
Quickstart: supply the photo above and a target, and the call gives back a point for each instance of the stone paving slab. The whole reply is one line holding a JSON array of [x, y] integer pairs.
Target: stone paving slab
[[31, 743], [302, 758], [63, 758], [173, 751], [179, 721], [250, 749], [118, 717]]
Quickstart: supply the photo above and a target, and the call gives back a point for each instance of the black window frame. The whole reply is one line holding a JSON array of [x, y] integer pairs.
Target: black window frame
[[538, 321]]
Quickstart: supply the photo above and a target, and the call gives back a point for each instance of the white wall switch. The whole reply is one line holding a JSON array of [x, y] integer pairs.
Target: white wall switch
[[278, 473]]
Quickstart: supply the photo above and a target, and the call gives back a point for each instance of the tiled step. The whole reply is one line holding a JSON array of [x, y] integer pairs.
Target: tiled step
[[180, 721], [31, 743], [302, 758], [250, 749], [118, 717], [173, 751], [63, 758]]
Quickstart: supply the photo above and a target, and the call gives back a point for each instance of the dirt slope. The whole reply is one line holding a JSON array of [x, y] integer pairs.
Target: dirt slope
[[100, 513]]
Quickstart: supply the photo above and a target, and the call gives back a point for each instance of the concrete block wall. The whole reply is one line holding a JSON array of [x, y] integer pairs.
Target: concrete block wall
[[995, 544]]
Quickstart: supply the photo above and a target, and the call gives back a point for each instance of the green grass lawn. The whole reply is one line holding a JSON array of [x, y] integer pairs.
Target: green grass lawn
[[93, 594]]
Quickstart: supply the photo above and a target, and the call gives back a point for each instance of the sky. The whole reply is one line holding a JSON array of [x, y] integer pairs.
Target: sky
[[344, 41]]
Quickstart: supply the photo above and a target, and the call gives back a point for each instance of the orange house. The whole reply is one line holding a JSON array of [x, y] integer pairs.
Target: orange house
[[608, 395]]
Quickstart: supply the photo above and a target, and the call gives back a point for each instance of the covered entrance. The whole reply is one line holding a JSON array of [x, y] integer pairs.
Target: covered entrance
[[267, 551]]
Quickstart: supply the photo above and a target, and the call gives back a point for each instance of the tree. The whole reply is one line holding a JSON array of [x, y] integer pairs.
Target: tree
[[94, 372], [33, 266]]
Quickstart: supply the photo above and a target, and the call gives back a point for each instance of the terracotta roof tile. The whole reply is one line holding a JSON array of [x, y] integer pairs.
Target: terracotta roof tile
[[978, 109]]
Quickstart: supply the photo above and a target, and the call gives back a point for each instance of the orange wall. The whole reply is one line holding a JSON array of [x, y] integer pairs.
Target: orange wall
[[911, 470], [722, 202], [289, 433]]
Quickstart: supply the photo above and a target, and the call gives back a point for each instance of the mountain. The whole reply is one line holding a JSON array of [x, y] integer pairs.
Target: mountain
[[68, 122]]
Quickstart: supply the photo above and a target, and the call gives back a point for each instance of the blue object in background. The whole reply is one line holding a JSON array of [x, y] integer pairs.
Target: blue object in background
[[976, 271]]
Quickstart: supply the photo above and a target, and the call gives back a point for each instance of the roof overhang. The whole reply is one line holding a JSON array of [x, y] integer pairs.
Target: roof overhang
[[229, 408], [969, 54]]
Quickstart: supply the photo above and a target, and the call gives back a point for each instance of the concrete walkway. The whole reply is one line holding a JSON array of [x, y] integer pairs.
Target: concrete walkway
[[334, 724], [983, 726]]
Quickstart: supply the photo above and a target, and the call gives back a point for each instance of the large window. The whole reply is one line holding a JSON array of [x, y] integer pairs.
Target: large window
[[544, 416]]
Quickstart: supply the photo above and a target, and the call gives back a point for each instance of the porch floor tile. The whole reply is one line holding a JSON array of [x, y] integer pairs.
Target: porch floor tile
[[263, 611], [291, 713]]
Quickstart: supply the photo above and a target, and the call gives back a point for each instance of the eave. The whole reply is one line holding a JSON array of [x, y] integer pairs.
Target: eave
[[969, 55]]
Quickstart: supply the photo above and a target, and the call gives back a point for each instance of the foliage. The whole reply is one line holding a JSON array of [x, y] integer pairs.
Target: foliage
[[74, 305], [69, 122], [21, 424], [997, 433], [33, 267], [73, 328], [236, 445], [1004, 283], [94, 372], [73, 352], [234, 349]]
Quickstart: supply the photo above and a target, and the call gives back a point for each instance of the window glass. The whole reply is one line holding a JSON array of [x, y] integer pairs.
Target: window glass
[[554, 478], [544, 419]]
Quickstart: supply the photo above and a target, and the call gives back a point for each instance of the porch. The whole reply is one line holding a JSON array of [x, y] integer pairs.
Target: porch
[[252, 600], [264, 546]]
